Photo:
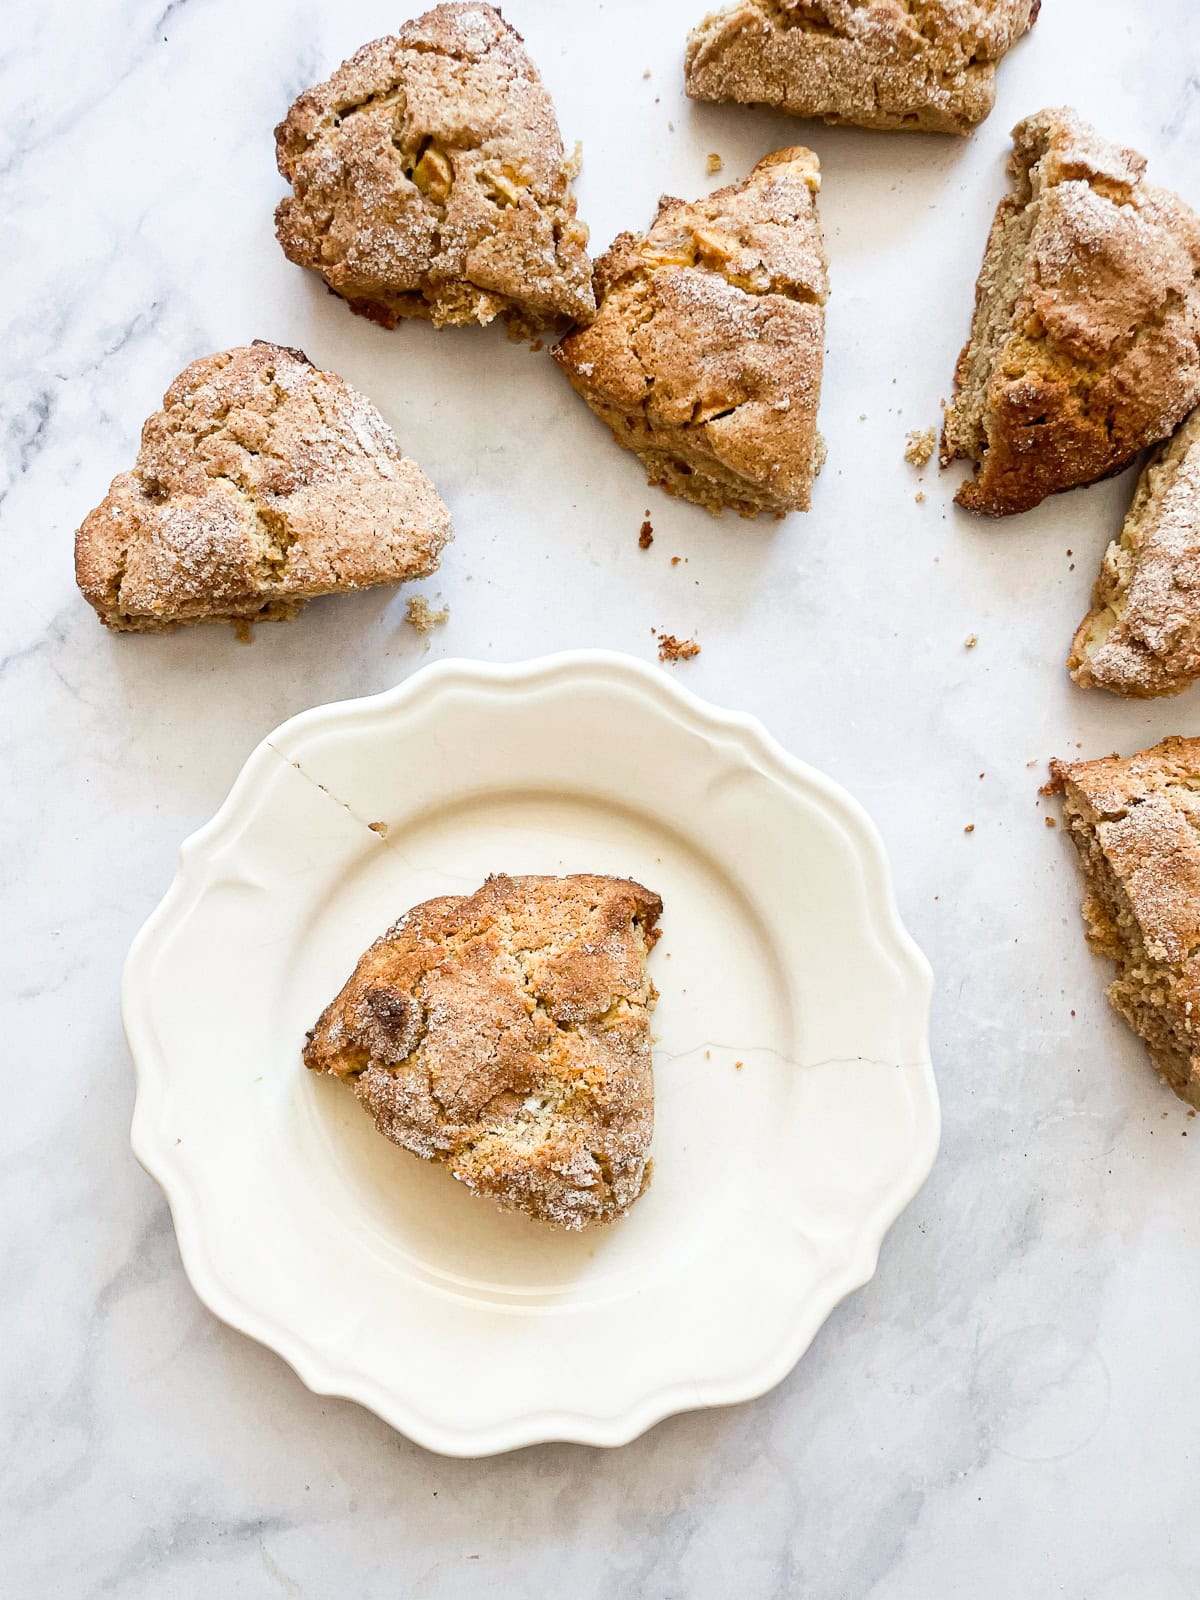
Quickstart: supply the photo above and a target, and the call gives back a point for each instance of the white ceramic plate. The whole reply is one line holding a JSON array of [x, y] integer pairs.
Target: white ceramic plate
[[796, 1108]]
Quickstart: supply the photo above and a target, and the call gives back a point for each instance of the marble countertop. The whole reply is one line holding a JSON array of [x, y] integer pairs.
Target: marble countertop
[[1005, 1409]]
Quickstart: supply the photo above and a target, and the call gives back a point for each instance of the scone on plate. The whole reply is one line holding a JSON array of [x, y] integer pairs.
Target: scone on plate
[[875, 63], [706, 351], [1142, 634], [1136, 826], [262, 483], [506, 1034], [1085, 345], [429, 180]]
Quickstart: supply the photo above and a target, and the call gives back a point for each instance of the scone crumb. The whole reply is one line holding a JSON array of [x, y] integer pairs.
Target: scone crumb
[[920, 445], [646, 533], [738, 1065], [714, 164], [970, 828], [672, 649], [970, 641], [243, 631], [422, 616], [1050, 822], [381, 828], [919, 497]]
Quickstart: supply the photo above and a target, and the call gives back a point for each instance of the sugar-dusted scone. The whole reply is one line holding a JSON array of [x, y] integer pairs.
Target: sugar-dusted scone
[[429, 180], [1085, 345], [1142, 635], [875, 63], [705, 354], [506, 1033], [262, 483], [1136, 826]]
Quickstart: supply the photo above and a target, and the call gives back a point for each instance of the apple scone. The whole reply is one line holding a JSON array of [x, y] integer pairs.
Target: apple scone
[[429, 180], [261, 484], [1136, 825], [874, 63], [1141, 636], [1085, 345], [706, 351], [506, 1034]]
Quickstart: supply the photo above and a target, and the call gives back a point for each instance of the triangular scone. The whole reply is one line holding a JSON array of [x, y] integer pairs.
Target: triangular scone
[[1142, 634], [705, 354], [506, 1033], [874, 63], [1085, 345], [262, 483], [430, 180], [1136, 826]]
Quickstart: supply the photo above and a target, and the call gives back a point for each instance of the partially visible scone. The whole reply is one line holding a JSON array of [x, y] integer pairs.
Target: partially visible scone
[[875, 63], [262, 483], [1136, 826], [1142, 634], [706, 352], [506, 1034], [430, 180], [1085, 345]]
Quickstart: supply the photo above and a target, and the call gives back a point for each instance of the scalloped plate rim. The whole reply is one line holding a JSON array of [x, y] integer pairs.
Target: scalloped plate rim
[[318, 1372]]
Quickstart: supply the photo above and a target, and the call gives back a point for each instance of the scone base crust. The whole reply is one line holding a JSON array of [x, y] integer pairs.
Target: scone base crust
[[506, 1035], [1134, 823], [429, 180], [1141, 636], [1085, 343], [869, 65], [261, 484], [706, 352]]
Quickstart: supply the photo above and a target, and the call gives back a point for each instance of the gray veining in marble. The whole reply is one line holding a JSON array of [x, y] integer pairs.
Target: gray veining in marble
[[1006, 1410]]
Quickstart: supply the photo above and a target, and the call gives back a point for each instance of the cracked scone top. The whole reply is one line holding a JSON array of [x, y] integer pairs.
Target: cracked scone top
[[922, 64], [706, 351], [1085, 343], [506, 1034], [262, 483], [1136, 826], [430, 180], [1141, 636]]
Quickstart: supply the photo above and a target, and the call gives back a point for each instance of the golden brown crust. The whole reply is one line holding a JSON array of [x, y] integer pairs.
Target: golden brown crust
[[1141, 636], [430, 180], [1136, 825], [706, 351], [1085, 345], [928, 65], [262, 483], [506, 1034]]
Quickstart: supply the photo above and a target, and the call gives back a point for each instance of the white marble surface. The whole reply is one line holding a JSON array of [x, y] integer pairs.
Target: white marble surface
[[1006, 1409]]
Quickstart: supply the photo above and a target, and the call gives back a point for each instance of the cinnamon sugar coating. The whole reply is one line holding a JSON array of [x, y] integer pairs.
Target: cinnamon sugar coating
[[1085, 345], [262, 483], [928, 65], [706, 352], [506, 1034], [430, 180], [1135, 823], [1141, 636]]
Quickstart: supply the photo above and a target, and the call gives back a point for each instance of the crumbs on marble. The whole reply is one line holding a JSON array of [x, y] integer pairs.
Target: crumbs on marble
[[919, 446], [714, 163], [970, 828], [970, 641], [381, 828], [421, 615], [671, 649], [646, 532]]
